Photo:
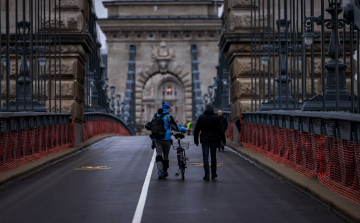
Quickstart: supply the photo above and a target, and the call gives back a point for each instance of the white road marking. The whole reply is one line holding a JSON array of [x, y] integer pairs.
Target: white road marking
[[141, 204]]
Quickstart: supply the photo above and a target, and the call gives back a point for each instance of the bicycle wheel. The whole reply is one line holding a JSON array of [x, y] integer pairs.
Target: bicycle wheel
[[183, 171]]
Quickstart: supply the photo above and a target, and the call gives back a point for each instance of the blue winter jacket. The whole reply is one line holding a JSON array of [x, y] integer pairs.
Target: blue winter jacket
[[167, 120]]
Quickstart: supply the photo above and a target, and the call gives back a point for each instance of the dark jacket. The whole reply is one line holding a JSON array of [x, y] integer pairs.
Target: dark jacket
[[224, 122], [211, 129]]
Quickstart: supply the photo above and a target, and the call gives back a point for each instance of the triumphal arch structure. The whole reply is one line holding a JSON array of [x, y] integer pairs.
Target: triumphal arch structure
[[163, 32]]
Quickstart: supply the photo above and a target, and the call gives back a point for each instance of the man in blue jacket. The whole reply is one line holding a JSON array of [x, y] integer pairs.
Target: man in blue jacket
[[163, 144]]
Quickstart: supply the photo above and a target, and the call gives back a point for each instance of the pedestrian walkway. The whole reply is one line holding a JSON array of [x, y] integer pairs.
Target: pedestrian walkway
[[103, 183]]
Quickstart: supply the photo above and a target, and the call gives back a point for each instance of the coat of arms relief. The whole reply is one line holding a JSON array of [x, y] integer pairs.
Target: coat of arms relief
[[162, 56]]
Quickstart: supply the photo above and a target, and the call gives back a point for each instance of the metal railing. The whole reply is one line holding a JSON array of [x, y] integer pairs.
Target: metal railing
[[286, 73], [28, 136], [304, 100], [96, 80], [91, 116], [31, 38]]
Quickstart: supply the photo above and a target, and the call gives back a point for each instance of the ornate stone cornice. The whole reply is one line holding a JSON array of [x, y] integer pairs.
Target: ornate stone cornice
[[243, 4], [84, 39], [229, 38], [156, 28]]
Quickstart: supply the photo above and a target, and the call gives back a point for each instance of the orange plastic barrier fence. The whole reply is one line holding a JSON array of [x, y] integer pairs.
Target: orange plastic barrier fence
[[229, 131], [335, 162], [97, 127], [18, 148]]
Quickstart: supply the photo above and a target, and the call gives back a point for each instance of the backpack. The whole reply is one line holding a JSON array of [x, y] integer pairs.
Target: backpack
[[158, 130]]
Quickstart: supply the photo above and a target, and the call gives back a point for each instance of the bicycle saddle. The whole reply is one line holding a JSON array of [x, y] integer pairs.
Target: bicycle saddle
[[179, 135]]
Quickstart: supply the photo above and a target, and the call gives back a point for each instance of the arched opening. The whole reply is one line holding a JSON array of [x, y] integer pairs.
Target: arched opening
[[163, 87], [175, 77], [166, 88]]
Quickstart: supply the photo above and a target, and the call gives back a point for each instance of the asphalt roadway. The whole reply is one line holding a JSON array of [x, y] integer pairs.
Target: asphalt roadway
[[103, 183]]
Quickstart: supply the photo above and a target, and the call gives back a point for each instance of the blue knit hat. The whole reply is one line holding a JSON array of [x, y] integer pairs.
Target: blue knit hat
[[165, 105]]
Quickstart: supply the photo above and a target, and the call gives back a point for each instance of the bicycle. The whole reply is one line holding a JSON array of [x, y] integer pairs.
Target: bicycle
[[181, 155]]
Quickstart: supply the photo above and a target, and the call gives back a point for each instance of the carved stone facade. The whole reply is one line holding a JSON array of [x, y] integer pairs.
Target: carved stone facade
[[163, 40]]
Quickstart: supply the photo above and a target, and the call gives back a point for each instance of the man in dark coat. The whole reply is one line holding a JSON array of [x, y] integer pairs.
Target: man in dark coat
[[211, 132], [224, 124]]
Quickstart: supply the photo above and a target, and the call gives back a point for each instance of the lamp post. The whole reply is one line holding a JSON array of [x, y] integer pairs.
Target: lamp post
[[225, 93], [206, 98], [283, 98], [118, 104], [25, 103], [211, 93], [334, 93], [103, 95], [216, 94], [88, 105], [122, 105], [107, 98], [112, 90]]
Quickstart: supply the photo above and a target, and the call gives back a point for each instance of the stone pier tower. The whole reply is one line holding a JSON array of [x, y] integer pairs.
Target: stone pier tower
[[163, 32]]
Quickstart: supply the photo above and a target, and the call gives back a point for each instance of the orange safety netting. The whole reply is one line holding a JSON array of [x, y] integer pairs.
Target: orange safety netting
[[97, 127], [229, 131], [334, 161], [18, 148]]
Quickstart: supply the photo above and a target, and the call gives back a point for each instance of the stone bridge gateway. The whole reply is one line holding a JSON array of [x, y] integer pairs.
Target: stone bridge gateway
[[284, 72]]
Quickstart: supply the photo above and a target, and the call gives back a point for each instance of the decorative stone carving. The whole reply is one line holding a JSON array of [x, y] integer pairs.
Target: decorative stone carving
[[162, 56], [240, 3], [68, 49], [241, 20], [74, 4], [70, 22], [3, 5], [163, 62]]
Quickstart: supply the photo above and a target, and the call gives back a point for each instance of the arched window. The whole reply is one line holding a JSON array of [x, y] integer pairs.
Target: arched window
[[169, 90]]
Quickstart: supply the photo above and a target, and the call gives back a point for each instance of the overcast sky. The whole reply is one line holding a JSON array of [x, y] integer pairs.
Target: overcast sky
[[101, 12]]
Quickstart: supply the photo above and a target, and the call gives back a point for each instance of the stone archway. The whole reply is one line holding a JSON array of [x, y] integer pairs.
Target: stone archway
[[163, 61]]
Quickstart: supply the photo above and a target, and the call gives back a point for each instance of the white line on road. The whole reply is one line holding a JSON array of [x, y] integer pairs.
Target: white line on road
[[141, 204]]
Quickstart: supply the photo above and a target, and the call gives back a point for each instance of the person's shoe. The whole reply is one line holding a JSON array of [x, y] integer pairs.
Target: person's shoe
[[160, 176], [166, 174], [219, 149], [223, 148], [206, 178], [213, 176]]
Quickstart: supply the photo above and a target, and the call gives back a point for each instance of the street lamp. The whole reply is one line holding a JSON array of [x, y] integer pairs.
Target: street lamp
[[210, 90], [283, 98], [335, 83], [118, 103], [24, 82], [206, 98], [112, 90], [297, 50], [283, 25], [265, 58], [215, 85]]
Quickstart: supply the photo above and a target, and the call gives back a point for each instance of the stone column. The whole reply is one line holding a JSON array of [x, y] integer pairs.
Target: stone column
[[235, 41], [76, 43]]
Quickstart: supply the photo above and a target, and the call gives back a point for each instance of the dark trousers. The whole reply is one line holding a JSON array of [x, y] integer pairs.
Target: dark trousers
[[206, 148]]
